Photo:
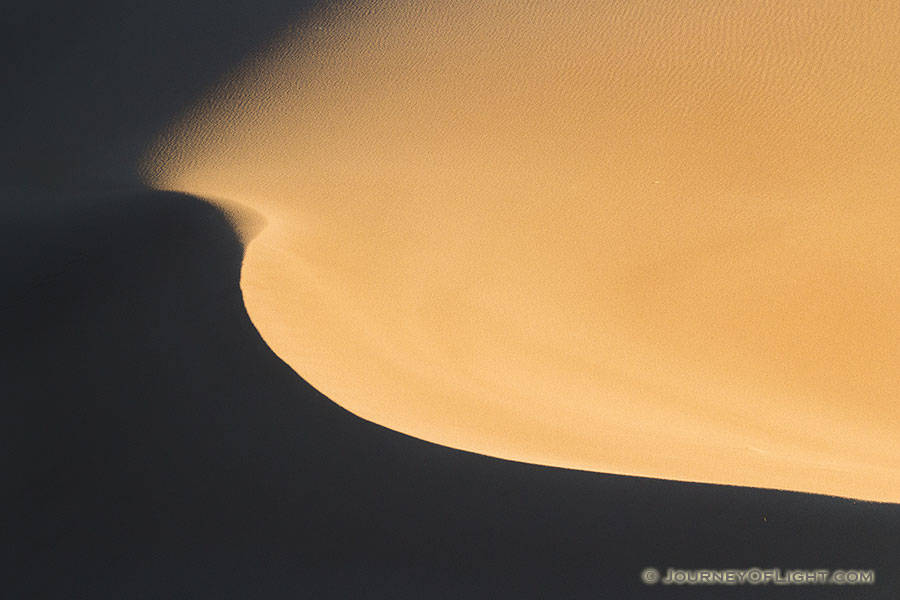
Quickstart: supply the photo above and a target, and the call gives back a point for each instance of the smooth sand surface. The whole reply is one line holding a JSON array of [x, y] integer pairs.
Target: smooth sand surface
[[631, 237]]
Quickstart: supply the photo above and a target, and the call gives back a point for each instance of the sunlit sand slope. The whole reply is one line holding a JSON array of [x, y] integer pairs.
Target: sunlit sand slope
[[650, 238]]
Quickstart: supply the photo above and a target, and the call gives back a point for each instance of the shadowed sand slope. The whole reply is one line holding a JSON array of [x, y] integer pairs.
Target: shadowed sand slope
[[158, 449], [85, 86], [657, 239]]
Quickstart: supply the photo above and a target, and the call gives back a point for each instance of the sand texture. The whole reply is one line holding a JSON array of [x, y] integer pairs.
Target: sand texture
[[644, 238]]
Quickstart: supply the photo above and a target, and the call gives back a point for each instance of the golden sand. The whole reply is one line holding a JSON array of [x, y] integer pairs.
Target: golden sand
[[640, 237]]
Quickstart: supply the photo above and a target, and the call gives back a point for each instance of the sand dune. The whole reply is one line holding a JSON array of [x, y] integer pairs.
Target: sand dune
[[629, 237]]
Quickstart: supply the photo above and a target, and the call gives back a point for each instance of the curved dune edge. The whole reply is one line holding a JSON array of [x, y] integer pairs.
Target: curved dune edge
[[621, 237]]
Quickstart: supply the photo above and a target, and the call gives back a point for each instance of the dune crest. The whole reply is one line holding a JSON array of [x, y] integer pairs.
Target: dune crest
[[655, 239]]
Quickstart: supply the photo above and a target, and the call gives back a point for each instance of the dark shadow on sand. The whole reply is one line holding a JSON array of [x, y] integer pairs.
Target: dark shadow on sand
[[88, 85]]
